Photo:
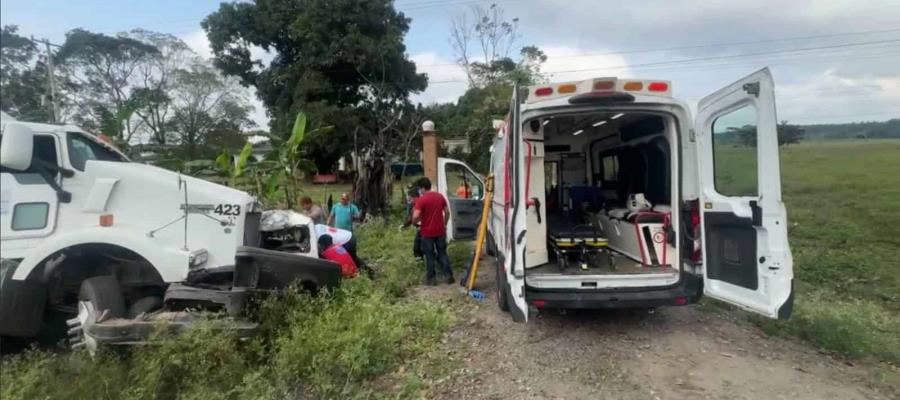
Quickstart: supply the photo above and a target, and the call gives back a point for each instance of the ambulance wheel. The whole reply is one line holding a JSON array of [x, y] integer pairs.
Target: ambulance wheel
[[502, 293], [489, 246]]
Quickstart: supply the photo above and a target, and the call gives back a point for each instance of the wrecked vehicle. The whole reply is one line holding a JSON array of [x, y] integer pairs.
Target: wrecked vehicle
[[122, 246]]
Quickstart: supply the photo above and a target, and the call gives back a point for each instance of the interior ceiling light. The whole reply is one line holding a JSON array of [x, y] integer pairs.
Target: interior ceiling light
[[619, 115], [599, 123], [578, 132]]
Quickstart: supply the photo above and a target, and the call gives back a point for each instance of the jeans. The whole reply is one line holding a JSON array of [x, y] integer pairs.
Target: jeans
[[436, 247]]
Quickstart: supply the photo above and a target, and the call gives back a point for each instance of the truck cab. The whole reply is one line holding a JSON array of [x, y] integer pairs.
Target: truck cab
[[610, 193], [74, 208]]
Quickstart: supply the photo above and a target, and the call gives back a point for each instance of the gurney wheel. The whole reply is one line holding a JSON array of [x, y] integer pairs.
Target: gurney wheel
[[561, 261]]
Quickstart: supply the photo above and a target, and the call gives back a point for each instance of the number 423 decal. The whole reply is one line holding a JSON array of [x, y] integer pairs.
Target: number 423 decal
[[227, 209]]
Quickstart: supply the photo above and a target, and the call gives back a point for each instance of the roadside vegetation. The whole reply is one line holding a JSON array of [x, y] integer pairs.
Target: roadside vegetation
[[334, 345], [843, 201]]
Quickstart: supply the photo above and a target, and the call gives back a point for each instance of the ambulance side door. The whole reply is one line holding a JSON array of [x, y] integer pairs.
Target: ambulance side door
[[464, 191]]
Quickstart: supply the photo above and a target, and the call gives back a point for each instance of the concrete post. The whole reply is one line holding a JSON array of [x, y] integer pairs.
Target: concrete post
[[430, 147]]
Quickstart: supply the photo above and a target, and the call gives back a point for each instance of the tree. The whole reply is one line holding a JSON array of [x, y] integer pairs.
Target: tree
[[495, 37], [208, 110], [104, 68], [23, 77], [789, 133], [326, 56], [156, 79]]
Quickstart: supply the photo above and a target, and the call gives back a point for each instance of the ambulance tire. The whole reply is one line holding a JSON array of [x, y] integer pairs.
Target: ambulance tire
[[502, 292], [489, 246]]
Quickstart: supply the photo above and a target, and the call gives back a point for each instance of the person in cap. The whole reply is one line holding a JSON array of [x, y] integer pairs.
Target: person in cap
[[343, 213]]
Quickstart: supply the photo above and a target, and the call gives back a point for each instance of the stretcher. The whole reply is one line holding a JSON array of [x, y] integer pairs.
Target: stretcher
[[641, 236], [583, 243]]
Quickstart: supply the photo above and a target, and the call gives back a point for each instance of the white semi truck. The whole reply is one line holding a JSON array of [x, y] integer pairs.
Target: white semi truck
[[610, 193], [121, 245]]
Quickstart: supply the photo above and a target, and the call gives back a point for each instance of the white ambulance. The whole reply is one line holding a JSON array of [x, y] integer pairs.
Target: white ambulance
[[609, 193]]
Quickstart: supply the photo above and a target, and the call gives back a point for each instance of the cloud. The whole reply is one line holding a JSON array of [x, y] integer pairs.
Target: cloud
[[446, 81], [569, 58], [198, 42], [833, 97]]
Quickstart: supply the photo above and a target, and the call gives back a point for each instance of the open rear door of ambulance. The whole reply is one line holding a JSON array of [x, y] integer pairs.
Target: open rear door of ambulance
[[747, 260]]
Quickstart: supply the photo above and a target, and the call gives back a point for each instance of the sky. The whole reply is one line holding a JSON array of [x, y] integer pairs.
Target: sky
[[833, 60]]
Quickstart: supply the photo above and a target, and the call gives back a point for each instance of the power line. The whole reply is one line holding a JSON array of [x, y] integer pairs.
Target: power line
[[712, 58], [711, 45], [681, 64], [767, 61]]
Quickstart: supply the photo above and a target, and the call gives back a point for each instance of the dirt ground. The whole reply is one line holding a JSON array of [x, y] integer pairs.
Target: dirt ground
[[669, 353]]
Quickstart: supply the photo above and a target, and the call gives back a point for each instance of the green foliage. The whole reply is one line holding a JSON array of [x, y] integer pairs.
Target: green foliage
[[788, 133], [281, 166], [207, 110], [103, 67], [471, 117], [886, 129], [328, 346], [23, 78], [233, 169], [328, 55]]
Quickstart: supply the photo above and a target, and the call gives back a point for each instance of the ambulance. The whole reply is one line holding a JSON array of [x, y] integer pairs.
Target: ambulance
[[610, 193]]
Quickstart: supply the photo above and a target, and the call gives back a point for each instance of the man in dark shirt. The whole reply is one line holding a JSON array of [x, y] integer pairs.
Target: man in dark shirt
[[431, 210]]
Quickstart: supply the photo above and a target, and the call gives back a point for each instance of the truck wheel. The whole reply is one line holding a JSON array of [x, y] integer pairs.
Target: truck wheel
[[104, 294], [502, 294]]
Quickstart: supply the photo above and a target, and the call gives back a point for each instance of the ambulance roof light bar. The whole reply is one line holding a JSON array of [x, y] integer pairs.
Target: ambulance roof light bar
[[599, 89]]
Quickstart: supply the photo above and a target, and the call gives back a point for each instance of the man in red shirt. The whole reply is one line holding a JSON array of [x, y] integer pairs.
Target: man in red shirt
[[431, 210]]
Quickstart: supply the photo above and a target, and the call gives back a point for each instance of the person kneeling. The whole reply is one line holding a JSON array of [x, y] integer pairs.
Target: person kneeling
[[337, 254]]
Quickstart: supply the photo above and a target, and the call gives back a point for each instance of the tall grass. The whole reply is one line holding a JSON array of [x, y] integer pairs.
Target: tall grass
[[328, 346]]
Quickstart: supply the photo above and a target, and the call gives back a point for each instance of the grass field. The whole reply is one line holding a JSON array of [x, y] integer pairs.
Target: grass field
[[843, 201]]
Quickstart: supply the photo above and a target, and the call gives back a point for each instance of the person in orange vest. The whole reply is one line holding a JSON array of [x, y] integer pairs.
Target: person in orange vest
[[462, 191]]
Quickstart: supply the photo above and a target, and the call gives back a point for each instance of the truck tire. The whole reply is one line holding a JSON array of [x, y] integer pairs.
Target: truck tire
[[104, 294], [20, 301], [502, 294], [145, 305]]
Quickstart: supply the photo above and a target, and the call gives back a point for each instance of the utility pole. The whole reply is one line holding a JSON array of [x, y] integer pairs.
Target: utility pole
[[54, 105], [51, 80]]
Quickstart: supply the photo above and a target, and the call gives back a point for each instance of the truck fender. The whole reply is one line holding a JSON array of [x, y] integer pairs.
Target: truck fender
[[171, 263]]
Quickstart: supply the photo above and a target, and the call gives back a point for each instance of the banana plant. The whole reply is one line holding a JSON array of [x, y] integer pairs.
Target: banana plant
[[234, 170], [280, 166], [288, 161]]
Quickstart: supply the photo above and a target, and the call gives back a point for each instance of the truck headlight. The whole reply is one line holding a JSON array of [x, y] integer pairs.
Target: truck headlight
[[198, 257]]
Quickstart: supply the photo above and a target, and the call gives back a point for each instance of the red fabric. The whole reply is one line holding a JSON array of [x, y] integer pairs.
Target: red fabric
[[431, 205], [340, 255]]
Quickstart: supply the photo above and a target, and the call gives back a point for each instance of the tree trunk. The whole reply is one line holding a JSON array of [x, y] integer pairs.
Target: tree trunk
[[373, 183]]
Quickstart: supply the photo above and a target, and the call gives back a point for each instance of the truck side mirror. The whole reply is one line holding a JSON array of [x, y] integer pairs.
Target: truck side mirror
[[17, 147]]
